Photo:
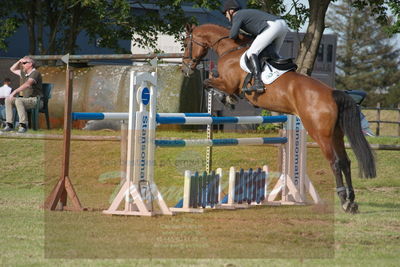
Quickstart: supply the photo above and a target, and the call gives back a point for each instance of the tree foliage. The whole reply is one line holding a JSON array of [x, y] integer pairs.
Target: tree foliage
[[53, 26], [380, 9], [367, 58], [277, 7]]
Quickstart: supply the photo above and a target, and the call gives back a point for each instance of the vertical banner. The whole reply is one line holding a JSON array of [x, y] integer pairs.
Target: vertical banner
[[295, 158]]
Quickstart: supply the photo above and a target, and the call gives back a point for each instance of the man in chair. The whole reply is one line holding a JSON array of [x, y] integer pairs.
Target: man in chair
[[30, 88], [266, 28]]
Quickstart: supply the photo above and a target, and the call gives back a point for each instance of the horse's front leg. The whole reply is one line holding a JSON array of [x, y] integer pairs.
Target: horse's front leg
[[227, 99], [213, 82]]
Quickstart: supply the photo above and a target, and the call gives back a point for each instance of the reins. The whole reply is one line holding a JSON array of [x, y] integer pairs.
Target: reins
[[196, 60], [200, 44], [234, 49]]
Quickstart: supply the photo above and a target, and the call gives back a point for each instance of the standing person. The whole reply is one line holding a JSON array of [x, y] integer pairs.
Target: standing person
[[30, 88], [5, 91], [267, 28]]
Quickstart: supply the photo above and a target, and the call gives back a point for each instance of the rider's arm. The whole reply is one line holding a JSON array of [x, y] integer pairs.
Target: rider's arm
[[236, 23]]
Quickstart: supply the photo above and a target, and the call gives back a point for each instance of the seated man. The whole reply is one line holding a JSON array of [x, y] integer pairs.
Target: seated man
[[5, 91], [30, 88]]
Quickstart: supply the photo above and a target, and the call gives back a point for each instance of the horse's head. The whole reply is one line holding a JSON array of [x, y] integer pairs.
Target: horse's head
[[195, 49]]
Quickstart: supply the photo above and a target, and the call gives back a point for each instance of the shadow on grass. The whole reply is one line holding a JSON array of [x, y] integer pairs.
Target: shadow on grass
[[386, 207]]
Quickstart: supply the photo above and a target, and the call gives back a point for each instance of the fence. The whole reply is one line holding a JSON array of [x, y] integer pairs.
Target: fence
[[379, 120]]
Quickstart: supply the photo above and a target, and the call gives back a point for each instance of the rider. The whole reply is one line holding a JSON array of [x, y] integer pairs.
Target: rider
[[267, 28]]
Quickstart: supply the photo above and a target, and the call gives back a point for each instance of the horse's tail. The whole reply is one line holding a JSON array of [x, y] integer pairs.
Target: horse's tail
[[350, 123]]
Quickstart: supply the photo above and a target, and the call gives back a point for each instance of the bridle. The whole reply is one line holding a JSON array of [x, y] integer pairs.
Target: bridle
[[195, 61]]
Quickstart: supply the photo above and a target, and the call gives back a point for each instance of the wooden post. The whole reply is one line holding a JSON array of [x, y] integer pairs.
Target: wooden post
[[64, 187], [378, 118]]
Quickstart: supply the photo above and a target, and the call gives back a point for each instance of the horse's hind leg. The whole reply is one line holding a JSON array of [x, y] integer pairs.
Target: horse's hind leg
[[328, 149], [343, 164], [332, 147]]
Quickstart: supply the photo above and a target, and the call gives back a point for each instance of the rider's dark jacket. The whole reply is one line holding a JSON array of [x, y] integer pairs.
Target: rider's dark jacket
[[252, 21]]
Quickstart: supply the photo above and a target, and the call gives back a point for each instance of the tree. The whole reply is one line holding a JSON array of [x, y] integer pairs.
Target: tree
[[310, 43], [53, 26], [366, 56], [316, 15]]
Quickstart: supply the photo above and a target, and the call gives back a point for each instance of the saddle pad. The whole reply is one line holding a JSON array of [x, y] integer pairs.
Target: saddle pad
[[269, 73]]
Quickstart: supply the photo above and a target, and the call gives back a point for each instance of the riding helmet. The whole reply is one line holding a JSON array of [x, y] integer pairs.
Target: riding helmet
[[230, 4]]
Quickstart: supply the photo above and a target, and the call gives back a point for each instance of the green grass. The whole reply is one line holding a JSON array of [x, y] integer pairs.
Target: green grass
[[277, 236]]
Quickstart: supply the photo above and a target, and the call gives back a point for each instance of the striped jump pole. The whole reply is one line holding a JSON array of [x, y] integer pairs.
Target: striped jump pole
[[221, 142], [221, 120], [125, 115], [182, 118]]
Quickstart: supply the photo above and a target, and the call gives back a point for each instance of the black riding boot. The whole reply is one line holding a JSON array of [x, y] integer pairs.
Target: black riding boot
[[258, 85]]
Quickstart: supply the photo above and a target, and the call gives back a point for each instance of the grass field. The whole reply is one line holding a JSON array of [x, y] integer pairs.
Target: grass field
[[274, 236]]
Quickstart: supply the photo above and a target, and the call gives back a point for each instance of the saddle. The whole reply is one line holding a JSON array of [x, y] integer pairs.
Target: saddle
[[268, 55], [269, 59]]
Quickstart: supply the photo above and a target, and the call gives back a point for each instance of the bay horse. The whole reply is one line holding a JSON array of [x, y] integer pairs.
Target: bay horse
[[326, 114]]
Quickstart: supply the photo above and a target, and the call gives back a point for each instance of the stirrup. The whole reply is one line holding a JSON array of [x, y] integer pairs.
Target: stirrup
[[253, 88], [258, 86], [259, 89]]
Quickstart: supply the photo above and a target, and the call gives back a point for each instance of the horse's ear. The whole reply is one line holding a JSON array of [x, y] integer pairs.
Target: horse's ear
[[189, 28]]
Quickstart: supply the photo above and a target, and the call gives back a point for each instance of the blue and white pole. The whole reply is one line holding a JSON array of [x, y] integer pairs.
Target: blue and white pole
[[125, 115], [221, 120], [182, 118], [221, 142]]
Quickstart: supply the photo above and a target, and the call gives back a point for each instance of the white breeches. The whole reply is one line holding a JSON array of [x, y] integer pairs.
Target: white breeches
[[274, 34]]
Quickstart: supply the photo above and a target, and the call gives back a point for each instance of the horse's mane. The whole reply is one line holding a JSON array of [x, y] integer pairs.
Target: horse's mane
[[221, 31], [218, 29]]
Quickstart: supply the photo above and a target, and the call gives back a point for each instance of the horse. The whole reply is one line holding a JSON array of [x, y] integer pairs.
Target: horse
[[327, 114]]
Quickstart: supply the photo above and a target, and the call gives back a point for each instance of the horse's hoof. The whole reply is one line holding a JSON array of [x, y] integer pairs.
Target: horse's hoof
[[353, 208], [207, 83], [350, 207], [231, 100]]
